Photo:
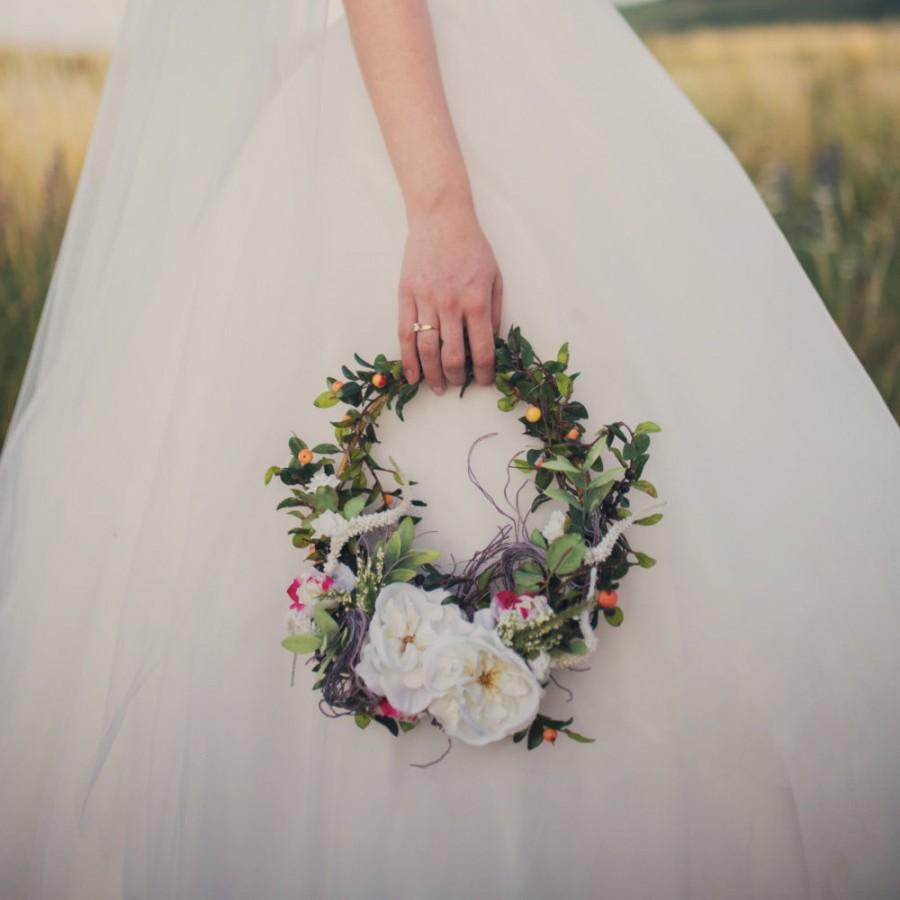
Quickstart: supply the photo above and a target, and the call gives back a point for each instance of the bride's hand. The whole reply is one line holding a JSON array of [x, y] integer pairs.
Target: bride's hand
[[450, 280]]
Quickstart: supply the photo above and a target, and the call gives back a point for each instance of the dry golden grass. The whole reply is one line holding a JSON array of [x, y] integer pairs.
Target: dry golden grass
[[778, 94], [47, 106]]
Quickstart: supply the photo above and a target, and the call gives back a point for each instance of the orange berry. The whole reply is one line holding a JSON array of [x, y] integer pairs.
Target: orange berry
[[539, 462], [550, 734], [389, 499], [533, 414], [379, 379], [573, 434], [607, 599], [337, 386], [304, 456]]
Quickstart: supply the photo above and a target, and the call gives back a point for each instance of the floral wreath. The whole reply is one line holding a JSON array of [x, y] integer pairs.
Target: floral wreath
[[395, 640]]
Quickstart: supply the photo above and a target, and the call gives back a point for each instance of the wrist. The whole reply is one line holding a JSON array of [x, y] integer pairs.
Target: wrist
[[447, 195]]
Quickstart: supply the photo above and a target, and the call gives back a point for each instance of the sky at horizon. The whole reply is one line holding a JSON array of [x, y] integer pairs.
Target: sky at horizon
[[80, 24]]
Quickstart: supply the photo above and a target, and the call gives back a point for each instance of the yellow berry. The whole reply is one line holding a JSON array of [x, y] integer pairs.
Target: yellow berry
[[337, 386], [533, 414], [379, 379]]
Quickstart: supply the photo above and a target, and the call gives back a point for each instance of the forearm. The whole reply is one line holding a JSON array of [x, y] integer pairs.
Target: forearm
[[396, 52]]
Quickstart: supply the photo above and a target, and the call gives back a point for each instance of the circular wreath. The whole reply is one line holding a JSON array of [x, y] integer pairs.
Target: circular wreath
[[395, 639]]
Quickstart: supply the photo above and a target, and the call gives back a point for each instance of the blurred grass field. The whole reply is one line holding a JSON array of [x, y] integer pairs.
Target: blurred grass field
[[810, 110]]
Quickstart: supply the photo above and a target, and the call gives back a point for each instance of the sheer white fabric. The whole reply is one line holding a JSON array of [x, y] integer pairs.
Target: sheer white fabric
[[236, 236]]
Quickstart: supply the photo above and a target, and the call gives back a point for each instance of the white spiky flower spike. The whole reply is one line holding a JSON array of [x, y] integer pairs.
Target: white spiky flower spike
[[600, 552], [360, 525]]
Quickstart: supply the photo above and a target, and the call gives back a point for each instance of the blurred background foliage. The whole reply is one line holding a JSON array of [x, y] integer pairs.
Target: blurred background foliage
[[806, 92]]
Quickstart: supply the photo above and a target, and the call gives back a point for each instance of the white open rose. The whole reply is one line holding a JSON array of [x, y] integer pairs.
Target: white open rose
[[406, 623], [483, 691], [555, 527]]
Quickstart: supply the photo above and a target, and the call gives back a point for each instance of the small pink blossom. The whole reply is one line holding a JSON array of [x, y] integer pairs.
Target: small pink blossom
[[384, 708], [294, 595], [524, 605]]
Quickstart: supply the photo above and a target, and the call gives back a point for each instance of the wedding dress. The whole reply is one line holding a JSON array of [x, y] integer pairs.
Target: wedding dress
[[236, 236]]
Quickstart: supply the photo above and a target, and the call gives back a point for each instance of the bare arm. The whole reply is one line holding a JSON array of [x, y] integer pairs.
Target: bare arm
[[449, 276]]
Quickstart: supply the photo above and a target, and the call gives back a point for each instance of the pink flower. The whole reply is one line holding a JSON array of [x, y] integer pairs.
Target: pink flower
[[384, 708], [294, 595], [507, 600], [522, 605]]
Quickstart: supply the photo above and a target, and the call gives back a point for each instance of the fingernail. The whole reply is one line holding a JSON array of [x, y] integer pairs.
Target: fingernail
[[439, 389]]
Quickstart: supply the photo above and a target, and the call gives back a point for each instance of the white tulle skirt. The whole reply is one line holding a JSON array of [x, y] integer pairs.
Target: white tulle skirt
[[745, 715]]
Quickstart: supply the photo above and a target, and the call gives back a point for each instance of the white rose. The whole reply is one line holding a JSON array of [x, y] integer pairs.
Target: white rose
[[321, 479], [555, 527], [483, 690], [328, 524], [407, 621], [540, 665]]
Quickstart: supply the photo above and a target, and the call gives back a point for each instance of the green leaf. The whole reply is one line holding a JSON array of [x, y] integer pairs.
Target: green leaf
[[406, 530], [271, 472], [647, 428], [614, 616], [326, 448], [415, 559], [390, 724], [644, 560], [580, 738], [324, 621], [563, 355], [565, 554], [564, 496], [641, 442], [649, 520], [354, 506], [577, 647], [594, 497], [362, 720], [327, 498], [392, 550], [535, 735], [326, 399], [538, 539], [561, 464], [593, 455], [644, 486], [603, 477], [563, 384], [302, 643], [507, 404], [529, 576], [399, 573]]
